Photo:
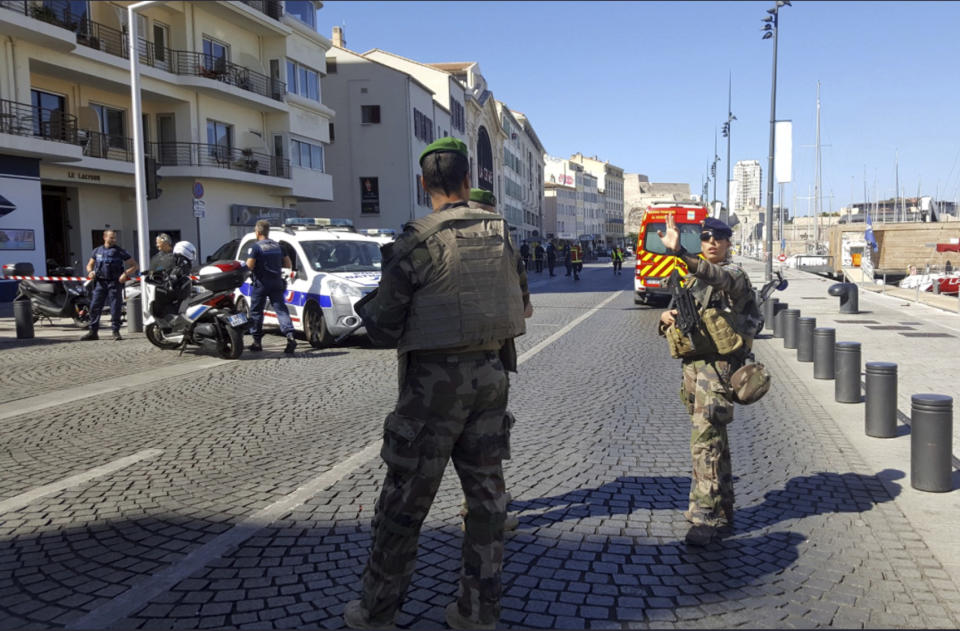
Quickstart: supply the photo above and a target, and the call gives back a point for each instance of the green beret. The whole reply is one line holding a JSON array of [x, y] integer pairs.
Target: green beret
[[482, 197], [448, 143]]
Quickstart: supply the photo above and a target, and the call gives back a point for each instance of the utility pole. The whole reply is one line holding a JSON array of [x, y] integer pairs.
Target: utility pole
[[771, 28], [727, 133]]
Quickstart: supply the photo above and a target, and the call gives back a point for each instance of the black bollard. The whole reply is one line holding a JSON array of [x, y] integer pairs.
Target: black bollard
[[790, 318], [849, 296], [880, 411], [23, 317], [778, 319], [846, 388], [824, 353], [769, 310], [931, 439], [805, 327], [135, 314]]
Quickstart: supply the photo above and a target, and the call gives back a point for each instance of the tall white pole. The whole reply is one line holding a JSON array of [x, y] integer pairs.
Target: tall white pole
[[140, 185]]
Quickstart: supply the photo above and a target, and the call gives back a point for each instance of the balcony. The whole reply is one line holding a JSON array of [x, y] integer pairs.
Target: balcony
[[43, 25], [181, 62], [109, 147], [21, 119], [271, 8], [195, 154]]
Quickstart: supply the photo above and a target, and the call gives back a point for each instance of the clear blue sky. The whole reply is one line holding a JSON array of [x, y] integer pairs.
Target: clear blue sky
[[644, 84]]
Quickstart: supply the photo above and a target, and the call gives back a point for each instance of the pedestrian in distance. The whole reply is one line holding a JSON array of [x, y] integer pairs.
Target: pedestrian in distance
[[576, 260], [266, 262], [616, 255], [110, 266], [567, 261], [551, 257], [525, 254], [541, 255], [454, 350], [164, 260], [708, 364]]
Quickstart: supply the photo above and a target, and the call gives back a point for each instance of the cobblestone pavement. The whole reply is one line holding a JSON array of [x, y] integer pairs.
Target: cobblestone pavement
[[256, 511]]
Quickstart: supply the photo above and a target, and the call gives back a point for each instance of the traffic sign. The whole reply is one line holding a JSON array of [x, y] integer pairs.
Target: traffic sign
[[197, 190], [199, 208], [782, 257]]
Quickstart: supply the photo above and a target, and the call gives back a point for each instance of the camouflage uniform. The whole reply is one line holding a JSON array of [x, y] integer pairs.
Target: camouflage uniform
[[706, 396], [452, 404]]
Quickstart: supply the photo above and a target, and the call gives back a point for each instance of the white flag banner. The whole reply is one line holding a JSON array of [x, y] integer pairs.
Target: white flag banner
[[783, 151]]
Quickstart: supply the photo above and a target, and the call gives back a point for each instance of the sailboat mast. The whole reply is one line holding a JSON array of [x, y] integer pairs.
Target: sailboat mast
[[816, 186]]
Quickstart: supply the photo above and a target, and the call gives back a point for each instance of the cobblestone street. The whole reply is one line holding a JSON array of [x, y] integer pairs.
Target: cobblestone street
[[248, 487]]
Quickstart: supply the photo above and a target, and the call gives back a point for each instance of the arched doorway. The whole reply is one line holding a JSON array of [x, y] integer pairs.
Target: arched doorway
[[484, 160]]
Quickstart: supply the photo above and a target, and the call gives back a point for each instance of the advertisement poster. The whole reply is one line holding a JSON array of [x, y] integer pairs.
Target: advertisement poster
[[369, 195], [17, 240], [21, 217]]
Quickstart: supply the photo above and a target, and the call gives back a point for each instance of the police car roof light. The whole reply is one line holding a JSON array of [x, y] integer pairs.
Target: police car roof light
[[319, 223]]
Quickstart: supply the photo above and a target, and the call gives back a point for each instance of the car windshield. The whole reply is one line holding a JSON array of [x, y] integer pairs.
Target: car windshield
[[342, 256], [689, 238]]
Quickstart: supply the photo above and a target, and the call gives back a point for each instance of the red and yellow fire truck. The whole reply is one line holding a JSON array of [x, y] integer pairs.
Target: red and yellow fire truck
[[654, 263]]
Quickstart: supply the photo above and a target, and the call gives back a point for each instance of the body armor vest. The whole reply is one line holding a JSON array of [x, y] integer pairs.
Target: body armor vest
[[474, 296]]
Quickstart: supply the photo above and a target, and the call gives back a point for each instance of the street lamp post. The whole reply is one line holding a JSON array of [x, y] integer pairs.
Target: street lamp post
[[771, 27], [726, 134]]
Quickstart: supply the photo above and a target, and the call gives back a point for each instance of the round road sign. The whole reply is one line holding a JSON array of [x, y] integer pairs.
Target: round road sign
[[782, 257], [197, 190]]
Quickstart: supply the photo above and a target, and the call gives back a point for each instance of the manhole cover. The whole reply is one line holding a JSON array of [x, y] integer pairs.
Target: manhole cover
[[918, 334]]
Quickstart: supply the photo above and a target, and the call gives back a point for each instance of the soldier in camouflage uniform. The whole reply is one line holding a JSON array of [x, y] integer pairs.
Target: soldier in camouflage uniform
[[706, 378], [451, 299]]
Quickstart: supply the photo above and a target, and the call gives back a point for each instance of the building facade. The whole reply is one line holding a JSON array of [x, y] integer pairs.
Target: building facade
[[531, 156], [232, 113], [747, 185], [386, 118], [639, 192], [571, 212], [610, 187]]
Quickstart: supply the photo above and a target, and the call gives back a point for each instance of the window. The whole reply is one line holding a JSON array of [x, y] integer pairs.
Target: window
[[369, 114], [306, 155], [422, 126], [303, 81], [215, 56], [48, 110], [333, 136], [220, 140], [111, 125], [72, 14], [423, 198], [457, 118], [303, 10], [689, 238]]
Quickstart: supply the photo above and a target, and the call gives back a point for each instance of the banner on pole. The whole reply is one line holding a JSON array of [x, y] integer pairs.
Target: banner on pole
[[783, 151]]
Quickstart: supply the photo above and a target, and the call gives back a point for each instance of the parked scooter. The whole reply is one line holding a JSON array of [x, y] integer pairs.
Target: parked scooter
[[180, 311], [53, 299]]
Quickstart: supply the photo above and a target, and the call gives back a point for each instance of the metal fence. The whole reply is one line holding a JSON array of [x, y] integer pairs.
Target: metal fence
[[98, 145]]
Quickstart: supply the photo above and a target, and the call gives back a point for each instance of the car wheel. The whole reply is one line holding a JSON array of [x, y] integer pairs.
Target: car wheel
[[314, 326]]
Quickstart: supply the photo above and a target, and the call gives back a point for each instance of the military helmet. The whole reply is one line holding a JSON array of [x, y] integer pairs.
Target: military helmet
[[750, 383]]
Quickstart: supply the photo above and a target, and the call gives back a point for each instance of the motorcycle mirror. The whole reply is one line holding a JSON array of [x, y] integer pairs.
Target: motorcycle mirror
[[782, 285]]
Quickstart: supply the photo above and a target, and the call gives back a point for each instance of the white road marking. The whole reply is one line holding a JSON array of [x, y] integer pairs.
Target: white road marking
[[69, 395], [139, 595], [25, 499]]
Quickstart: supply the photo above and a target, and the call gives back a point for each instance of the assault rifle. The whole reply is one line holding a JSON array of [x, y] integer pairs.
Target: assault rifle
[[688, 317]]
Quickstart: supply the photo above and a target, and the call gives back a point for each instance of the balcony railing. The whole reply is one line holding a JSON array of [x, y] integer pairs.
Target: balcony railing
[[56, 12], [22, 119], [271, 8], [98, 145], [199, 154]]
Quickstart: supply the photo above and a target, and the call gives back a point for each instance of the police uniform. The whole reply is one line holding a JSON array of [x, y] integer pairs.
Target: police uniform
[[268, 283], [706, 392], [454, 349], [107, 268], [616, 255], [576, 260]]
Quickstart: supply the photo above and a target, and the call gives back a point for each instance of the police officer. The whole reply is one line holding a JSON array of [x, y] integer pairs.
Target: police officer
[[163, 260], [110, 266], [454, 349], [616, 255], [551, 256], [576, 260], [266, 261], [705, 390]]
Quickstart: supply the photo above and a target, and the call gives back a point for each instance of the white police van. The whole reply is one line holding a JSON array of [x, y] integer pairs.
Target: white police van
[[333, 267]]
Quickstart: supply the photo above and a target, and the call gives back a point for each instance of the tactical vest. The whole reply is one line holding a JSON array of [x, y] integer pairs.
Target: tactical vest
[[723, 319], [108, 263], [474, 298]]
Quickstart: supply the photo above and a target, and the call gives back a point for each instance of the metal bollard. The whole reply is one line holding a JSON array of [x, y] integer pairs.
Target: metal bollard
[[805, 327], [849, 296], [135, 314], [824, 353], [778, 319], [880, 410], [790, 318], [931, 439], [846, 387], [769, 310], [23, 317]]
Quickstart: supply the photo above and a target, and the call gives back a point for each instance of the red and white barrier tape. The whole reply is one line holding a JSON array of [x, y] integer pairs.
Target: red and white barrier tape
[[61, 279]]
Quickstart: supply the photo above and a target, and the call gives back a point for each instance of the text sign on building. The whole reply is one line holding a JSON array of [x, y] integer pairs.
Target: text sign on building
[[242, 215], [199, 208], [783, 152]]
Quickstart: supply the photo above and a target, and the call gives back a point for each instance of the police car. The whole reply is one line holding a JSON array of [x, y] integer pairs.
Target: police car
[[333, 267]]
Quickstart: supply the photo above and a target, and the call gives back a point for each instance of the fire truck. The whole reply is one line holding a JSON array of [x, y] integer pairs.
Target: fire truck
[[654, 262]]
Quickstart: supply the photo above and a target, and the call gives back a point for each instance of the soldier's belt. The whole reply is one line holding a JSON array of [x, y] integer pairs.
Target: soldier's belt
[[453, 357]]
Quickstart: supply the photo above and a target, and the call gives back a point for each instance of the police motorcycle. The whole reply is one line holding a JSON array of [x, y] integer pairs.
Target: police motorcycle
[[180, 311], [53, 299]]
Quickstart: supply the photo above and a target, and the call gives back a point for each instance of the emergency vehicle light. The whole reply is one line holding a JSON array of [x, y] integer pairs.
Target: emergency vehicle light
[[319, 223]]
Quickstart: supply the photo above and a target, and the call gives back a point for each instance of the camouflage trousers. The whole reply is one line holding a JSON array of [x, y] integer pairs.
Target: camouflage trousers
[[450, 406], [705, 397]]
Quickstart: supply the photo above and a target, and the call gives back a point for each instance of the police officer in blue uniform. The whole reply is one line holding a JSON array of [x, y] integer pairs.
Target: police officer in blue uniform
[[266, 261], [110, 266]]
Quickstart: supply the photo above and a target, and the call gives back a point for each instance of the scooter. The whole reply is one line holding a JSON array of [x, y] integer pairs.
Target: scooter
[[54, 299], [180, 311]]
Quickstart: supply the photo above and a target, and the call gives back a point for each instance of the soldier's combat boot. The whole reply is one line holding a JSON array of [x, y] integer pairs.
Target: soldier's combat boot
[[356, 617], [700, 535], [456, 620]]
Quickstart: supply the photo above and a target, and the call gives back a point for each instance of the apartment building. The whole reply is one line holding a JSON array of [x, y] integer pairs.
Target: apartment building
[[563, 188], [232, 113], [385, 119], [610, 188], [529, 154], [747, 185]]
